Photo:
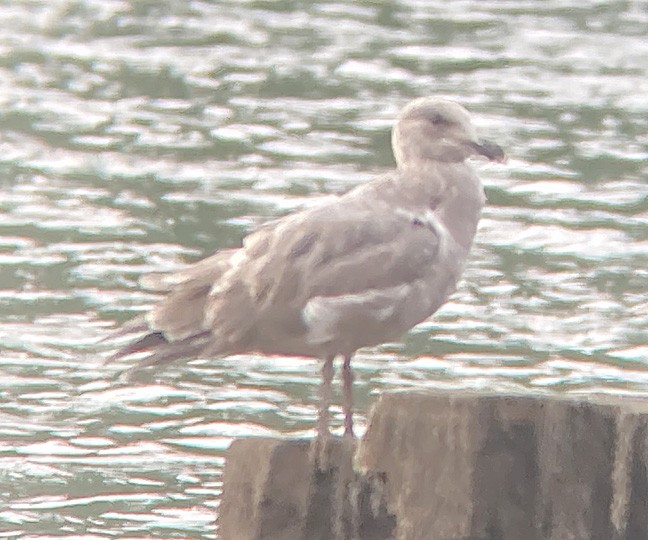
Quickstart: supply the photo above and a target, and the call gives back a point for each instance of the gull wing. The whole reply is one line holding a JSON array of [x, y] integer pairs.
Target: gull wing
[[356, 259]]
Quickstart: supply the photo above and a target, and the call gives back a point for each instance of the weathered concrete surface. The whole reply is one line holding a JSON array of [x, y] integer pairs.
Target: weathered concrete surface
[[448, 466], [282, 490]]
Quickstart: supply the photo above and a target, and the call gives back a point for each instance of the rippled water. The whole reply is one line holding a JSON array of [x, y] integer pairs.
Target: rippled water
[[138, 135]]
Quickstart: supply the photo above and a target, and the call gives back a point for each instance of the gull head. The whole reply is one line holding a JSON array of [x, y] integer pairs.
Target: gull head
[[432, 129]]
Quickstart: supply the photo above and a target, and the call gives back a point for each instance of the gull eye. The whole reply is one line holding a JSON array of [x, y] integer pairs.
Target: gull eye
[[438, 119]]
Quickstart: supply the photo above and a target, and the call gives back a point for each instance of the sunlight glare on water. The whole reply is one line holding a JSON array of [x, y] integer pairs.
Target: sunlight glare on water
[[139, 136]]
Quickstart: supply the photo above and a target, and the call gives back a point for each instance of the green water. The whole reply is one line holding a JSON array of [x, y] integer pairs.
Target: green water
[[139, 135]]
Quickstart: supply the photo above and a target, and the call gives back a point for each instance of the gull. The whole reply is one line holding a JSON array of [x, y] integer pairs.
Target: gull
[[356, 271]]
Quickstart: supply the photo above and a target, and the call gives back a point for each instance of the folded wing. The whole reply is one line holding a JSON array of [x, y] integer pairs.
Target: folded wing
[[333, 277]]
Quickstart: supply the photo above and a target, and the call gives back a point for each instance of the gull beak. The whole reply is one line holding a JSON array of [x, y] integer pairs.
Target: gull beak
[[489, 150]]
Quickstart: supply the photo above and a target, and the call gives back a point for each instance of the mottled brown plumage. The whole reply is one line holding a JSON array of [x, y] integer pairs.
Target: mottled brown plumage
[[357, 271]]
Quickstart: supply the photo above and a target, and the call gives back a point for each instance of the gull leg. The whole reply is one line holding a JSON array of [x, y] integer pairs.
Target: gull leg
[[321, 444], [347, 399], [323, 431]]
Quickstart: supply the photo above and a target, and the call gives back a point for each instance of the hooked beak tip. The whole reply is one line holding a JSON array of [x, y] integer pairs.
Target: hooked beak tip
[[490, 150]]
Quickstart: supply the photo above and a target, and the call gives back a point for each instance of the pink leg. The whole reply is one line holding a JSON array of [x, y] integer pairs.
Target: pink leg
[[347, 398], [323, 431]]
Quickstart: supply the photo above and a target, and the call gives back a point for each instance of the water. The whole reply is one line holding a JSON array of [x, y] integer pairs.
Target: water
[[139, 135]]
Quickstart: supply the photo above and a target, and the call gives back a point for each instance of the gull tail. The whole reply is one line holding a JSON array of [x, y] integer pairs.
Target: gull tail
[[146, 343], [158, 349]]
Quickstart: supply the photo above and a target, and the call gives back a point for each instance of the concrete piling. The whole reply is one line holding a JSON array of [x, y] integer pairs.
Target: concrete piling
[[452, 466]]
